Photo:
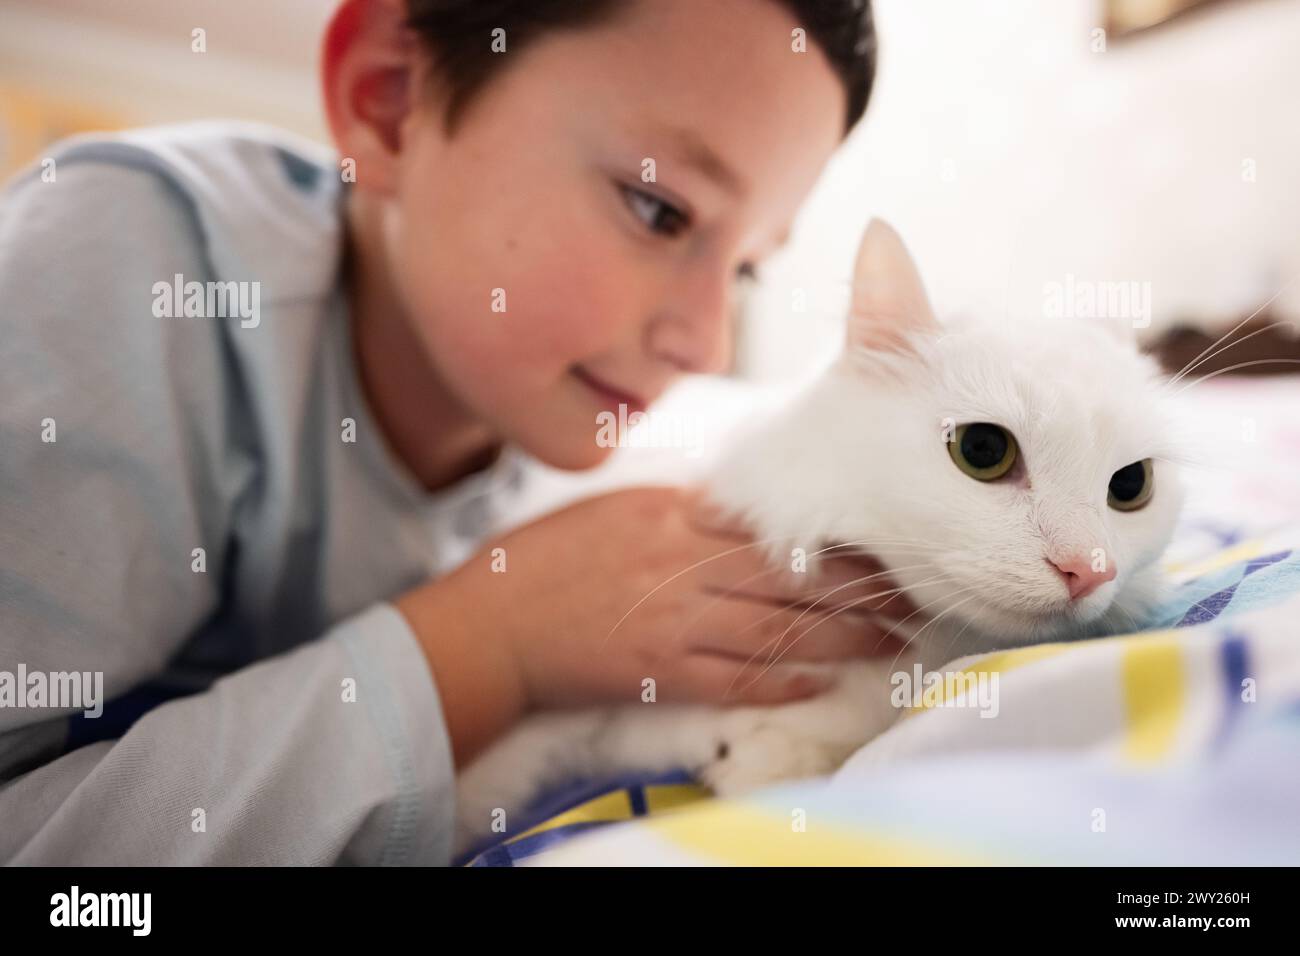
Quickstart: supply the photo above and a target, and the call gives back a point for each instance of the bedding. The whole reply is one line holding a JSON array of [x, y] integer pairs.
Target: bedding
[[1175, 744]]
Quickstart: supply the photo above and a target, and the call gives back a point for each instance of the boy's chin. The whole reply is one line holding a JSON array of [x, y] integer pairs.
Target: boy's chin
[[568, 454]]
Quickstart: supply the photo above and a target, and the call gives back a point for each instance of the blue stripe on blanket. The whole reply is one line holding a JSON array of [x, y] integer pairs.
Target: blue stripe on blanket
[[1209, 608], [1233, 655], [507, 850]]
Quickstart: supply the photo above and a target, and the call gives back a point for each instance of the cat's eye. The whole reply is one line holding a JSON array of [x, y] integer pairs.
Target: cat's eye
[[985, 452], [1131, 487], [656, 215]]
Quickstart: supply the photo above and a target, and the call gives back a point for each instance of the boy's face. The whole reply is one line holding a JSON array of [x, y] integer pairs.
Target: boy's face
[[546, 278]]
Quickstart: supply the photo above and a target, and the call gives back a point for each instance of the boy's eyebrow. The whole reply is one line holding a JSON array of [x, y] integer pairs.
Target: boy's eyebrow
[[695, 152]]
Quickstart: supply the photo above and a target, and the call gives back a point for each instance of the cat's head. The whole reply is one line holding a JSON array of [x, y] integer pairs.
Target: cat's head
[[1016, 476]]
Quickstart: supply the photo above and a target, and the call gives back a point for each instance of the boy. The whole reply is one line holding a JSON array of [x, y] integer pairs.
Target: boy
[[196, 491]]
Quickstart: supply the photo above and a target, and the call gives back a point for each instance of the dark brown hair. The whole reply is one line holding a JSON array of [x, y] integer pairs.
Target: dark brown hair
[[457, 34]]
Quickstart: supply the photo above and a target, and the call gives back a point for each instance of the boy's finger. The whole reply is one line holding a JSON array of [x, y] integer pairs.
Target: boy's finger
[[880, 598], [715, 678], [861, 582], [748, 629]]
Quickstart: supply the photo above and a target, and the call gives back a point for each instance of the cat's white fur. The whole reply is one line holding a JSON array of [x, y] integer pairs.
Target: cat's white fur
[[860, 458]]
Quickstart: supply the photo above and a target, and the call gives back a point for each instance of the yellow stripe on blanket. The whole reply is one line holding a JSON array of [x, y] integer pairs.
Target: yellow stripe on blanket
[[738, 835], [1155, 690], [1004, 661], [662, 797], [953, 685], [616, 806], [607, 808], [1220, 559]]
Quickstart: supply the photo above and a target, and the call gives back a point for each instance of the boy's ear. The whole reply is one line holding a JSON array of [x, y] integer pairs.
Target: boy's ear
[[889, 300], [368, 74]]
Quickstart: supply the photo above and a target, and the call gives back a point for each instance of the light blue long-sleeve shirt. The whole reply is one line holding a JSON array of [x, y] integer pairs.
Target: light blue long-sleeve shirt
[[133, 435]]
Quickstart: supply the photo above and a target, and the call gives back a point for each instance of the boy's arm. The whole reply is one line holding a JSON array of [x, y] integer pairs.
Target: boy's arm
[[269, 767], [113, 467]]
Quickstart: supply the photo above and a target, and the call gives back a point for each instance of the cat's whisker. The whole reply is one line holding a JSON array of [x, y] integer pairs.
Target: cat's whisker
[[1186, 461], [720, 593], [898, 624], [890, 542], [908, 643], [845, 608], [793, 624], [776, 642], [687, 570], [1197, 363], [894, 541], [934, 620], [957, 637], [950, 594], [947, 550], [699, 564], [839, 545], [1199, 604], [1273, 298], [1128, 614], [855, 550], [849, 606], [1232, 368]]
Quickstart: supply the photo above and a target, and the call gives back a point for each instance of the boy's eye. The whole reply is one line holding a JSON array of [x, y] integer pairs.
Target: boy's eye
[[657, 215]]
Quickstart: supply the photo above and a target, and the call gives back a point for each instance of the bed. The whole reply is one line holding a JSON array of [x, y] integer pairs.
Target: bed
[[1175, 744]]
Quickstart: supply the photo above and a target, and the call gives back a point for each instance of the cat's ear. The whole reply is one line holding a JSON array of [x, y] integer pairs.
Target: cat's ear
[[889, 300]]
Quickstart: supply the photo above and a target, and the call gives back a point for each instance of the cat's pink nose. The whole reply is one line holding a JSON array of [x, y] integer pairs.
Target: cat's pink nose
[[1079, 576]]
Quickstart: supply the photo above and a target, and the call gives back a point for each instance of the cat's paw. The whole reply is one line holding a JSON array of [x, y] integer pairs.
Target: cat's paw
[[758, 751]]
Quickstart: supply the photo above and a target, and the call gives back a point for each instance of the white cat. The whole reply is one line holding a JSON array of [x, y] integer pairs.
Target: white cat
[[1016, 479]]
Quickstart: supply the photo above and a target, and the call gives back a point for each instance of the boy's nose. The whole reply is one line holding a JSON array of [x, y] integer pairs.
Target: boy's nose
[[1079, 576], [698, 342]]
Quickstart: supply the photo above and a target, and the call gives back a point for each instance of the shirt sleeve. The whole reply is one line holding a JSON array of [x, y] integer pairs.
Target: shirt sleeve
[[122, 454], [332, 753]]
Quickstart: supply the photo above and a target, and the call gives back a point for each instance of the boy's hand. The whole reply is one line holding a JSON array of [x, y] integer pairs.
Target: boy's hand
[[632, 585]]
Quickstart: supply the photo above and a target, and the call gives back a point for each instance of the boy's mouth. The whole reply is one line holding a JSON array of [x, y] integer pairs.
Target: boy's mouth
[[609, 395]]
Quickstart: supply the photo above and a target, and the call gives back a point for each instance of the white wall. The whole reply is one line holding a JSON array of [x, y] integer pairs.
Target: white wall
[[1122, 165]]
